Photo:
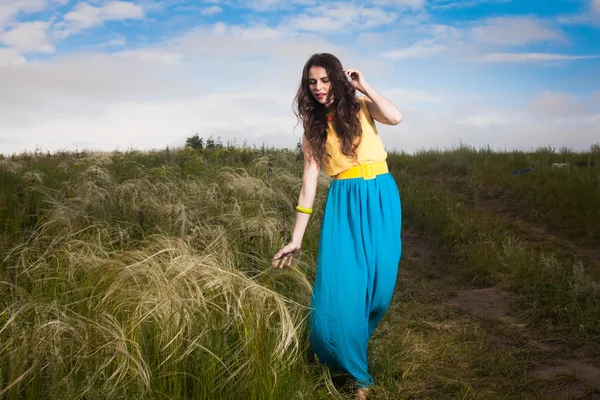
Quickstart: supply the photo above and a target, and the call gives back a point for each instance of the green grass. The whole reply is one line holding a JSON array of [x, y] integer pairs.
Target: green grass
[[489, 249], [147, 275], [564, 199]]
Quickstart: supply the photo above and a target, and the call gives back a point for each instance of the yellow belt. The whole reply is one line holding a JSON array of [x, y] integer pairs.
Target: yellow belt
[[367, 170]]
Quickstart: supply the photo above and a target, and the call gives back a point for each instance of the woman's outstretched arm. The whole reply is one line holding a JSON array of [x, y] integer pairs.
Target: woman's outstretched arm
[[306, 199]]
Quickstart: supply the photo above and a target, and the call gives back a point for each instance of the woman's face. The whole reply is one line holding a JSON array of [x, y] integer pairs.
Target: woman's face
[[319, 84]]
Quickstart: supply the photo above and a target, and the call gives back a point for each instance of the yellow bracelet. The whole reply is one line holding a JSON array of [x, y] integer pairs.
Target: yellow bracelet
[[304, 210]]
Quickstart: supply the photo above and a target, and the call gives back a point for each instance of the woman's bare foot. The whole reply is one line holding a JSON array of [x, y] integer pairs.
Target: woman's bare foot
[[361, 394]]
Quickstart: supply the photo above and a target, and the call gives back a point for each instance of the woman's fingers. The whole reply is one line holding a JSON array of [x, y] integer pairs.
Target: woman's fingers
[[285, 256], [354, 74], [279, 259], [276, 259], [283, 261]]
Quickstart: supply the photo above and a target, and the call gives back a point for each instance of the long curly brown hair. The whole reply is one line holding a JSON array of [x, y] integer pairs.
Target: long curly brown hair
[[314, 115]]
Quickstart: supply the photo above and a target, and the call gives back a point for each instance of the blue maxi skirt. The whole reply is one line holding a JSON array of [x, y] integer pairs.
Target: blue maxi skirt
[[357, 263]]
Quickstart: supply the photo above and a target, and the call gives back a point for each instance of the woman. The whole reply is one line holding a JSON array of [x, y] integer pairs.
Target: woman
[[359, 247]]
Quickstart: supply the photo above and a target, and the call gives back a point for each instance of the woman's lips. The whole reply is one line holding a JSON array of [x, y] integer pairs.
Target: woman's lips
[[320, 95]]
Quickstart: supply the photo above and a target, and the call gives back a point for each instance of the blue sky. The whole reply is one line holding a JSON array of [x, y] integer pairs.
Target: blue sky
[[108, 74]]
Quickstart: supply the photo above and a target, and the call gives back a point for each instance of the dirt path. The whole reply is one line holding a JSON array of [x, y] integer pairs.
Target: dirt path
[[571, 369], [546, 368], [581, 248], [574, 366]]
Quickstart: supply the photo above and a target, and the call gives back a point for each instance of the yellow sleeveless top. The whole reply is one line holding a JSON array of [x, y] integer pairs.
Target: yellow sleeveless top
[[370, 148]]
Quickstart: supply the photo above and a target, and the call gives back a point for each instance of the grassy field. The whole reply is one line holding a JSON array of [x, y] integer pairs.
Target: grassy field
[[146, 275]]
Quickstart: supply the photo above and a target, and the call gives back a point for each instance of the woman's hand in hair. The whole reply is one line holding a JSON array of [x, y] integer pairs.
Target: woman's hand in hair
[[357, 79]]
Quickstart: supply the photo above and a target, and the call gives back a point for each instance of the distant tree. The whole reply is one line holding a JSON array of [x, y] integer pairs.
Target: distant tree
[[210, 143], [195, 142]]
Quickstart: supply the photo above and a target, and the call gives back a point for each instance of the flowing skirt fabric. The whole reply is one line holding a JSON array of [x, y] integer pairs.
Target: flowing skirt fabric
[[357, 263]]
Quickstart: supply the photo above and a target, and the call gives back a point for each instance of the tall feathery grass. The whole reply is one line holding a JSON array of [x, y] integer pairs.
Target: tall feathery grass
[[153, 282]]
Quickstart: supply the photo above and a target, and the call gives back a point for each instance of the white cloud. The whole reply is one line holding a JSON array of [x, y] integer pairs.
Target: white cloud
[[423, 48], [212, 10], [157, 95], [278, 5], [119, 40], [11, 58], [9, 9], [446, 33], [557, 104], [591, 16], [528, 57], [226, 42], [155, 124], [255, 32], [513, 31], [28, 37], [474, 40], [152, 98], [36, 36], [491, 40], [340, 18], [417, 4], [487, 119], [452, 4], [499, 128], [86, 85], [156, 56], [269, 5], [85, 16]]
